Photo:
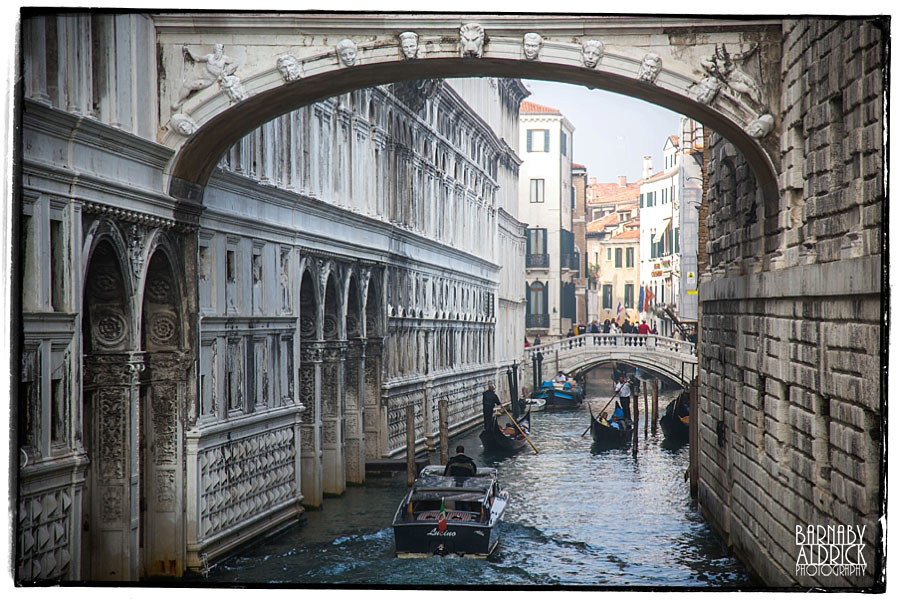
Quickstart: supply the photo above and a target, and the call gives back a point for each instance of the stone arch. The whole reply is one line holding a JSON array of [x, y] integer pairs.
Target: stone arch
[[353, 312], [308, 299], [164, 383], [733, 111], [109, 397]]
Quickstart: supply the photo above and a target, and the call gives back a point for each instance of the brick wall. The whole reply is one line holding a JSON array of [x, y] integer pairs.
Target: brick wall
[[791, 325]]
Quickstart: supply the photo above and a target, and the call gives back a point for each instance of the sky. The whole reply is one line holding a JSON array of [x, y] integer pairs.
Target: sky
[[613, 133]]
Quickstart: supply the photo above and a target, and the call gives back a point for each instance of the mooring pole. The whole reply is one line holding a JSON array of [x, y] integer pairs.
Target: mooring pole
[[654, 411], [634, 442], [694, 438], [646, 414], [443, 413], [656, 393], [410, 445]]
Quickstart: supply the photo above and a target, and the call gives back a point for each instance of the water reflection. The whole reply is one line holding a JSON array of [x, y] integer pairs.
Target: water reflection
[[576, 518]]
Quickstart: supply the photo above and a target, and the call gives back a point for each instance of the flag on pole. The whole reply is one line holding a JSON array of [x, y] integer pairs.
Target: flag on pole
[[442, 518], [641, 301], [619, 309], [649, 296]]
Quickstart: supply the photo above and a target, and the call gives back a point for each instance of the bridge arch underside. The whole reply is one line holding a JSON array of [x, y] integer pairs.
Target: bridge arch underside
[[682, 376], [220, 124]]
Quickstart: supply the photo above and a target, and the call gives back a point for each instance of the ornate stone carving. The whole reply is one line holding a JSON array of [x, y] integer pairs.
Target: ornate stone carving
[[706, 90], [329, 432], [284, 281], [162, 328], [163, 402], [723, 66], [651, 65], [111, 504], [347, 53], [182, 124], [471, 40], [159, 289], [231, 85], [289, 67], [109, 327], [531, 45], [591, 53], [762, 126], [111, 404], [106, 285], [165, 490], [416, 92], [307, 326], [218, 65], [330, 326], [409, 45]]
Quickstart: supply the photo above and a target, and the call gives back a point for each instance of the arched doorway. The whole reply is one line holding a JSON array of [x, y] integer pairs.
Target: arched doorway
[[163, 384], [110, 390], [310, 385]]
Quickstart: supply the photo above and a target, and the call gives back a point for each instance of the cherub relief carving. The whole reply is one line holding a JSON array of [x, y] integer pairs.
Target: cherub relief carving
[[218, 65]]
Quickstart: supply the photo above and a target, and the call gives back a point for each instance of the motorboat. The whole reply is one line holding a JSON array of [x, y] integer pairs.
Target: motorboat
[[509, 439], [535, 404], [560, 395], [443, 515]]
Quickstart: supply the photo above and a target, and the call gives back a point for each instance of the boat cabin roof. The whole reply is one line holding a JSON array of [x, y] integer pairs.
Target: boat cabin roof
[[433, 485]]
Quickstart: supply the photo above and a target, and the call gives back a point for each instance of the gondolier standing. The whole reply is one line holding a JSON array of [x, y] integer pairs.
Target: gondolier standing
[[623, 388], [488, 401]]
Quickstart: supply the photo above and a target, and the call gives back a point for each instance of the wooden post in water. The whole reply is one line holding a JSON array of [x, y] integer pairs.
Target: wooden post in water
[[656, 393], [410, 445], [694, 438], [646, 414], [443, 413], [634, 414], [654, 411]]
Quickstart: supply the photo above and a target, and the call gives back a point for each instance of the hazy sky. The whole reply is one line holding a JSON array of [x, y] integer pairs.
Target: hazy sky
[[612, 132]]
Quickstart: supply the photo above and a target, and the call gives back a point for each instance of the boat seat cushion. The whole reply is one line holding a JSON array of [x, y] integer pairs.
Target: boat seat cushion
[[452, 516]]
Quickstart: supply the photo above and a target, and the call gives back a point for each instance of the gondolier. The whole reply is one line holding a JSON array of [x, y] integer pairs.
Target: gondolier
[[489, 400], [623, 389]]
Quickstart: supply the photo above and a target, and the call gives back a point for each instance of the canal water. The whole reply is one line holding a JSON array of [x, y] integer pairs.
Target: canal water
[[576, 518]]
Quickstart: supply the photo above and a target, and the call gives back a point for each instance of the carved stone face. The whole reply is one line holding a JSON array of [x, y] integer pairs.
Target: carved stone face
[[706, 91], [346, 51], [409, 45], [288, 67], [183, 124], [761, 127], [591, 53], [532, 43], [471, 40], [650, 67]]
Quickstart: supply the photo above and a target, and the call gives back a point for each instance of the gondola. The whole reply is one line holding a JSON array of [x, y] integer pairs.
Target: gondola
[[607, 436], [443, 515], [535, 404], [676, 420], [494, 439], [560, 395]]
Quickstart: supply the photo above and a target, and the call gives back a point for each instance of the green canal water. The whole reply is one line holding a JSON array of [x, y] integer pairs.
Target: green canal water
[[576, 518]]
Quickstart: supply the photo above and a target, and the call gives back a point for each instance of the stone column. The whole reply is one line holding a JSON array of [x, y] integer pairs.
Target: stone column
[[311, 427], [333, 425], [375, 414], [354, 377]]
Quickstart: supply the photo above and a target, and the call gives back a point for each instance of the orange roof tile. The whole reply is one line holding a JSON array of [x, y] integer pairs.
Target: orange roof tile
[[533, 107], [627, 235]]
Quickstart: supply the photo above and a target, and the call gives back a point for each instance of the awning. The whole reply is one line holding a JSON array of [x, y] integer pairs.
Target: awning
[[667, 222]]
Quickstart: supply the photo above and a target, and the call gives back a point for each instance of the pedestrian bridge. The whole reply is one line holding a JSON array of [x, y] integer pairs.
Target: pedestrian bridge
[[675, 359]]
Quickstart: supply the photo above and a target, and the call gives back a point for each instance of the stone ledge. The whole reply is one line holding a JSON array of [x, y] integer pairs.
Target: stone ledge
[[850, 277]]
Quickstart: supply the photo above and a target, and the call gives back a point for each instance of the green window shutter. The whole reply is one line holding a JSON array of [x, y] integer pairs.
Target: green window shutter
[[529, 139], [546, 140]]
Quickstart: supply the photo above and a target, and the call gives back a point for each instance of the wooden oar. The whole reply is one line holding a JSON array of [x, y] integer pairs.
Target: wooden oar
[[516, 424], [601, 412]]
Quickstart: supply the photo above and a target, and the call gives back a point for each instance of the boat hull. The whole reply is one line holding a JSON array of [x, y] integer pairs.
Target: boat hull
[[673, 428], [426, 540], [610, 437], [494, 440]]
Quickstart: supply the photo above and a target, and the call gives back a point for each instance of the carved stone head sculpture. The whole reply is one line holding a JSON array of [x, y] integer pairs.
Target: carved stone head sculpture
[[288, 67], [183, 124], [651, 65], [409, 45], [761, 127], [531, 44], [346, 51], [706, 90], [591, 53], [471, 40]]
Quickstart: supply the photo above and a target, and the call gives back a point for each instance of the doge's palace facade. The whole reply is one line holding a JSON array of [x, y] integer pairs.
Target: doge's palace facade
[[190, 377]]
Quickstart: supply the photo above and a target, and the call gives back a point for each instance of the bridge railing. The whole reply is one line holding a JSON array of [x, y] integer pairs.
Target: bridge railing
[[642, 342]]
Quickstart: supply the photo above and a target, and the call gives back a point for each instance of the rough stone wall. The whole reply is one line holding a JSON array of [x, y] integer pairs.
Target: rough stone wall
[[791, 392]]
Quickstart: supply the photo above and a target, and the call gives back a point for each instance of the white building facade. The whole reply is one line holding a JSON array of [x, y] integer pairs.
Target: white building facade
[[660, 230], [546, 205]]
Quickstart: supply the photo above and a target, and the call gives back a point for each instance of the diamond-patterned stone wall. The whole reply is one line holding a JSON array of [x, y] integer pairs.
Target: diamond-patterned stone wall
[[44, 536], [243, 478]]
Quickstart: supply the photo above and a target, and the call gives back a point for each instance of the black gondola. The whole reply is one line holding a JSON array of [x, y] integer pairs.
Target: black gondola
[[442, 515], [676, 420], [495, 439], [607, 436]]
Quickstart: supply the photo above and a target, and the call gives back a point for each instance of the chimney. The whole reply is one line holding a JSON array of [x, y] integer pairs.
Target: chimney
[[623, 181], [593, 181], [648, 167]]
